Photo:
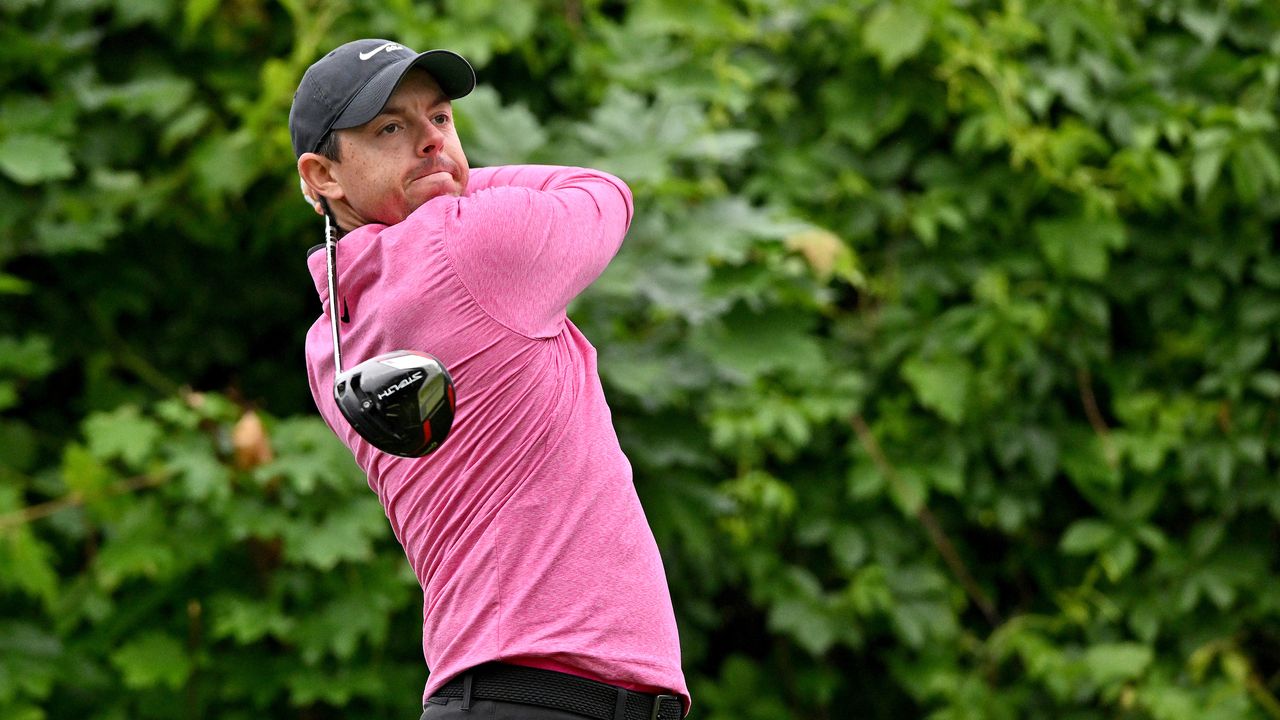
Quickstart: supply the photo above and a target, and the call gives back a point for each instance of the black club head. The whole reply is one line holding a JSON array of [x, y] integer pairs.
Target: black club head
[[401, 402]]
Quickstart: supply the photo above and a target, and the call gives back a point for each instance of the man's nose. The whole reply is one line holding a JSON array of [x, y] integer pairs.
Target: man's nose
[[430, 139]]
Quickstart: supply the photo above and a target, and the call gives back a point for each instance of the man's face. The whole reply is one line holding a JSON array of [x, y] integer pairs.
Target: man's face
[[404, 157]]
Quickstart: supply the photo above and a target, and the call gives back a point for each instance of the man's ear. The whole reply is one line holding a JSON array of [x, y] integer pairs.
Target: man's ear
[[310, 197], [316, 172]]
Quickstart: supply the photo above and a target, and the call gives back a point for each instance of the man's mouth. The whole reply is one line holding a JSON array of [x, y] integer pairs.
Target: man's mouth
[[428, 172]]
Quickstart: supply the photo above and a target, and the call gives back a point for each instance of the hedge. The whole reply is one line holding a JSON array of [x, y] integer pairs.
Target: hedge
[[943, 346]]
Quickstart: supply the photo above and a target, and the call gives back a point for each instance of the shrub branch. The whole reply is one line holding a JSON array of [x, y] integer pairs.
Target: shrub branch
[[76, 499], [941, 541]]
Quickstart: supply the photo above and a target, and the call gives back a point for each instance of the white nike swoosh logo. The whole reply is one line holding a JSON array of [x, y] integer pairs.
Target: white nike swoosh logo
[[388, 47]]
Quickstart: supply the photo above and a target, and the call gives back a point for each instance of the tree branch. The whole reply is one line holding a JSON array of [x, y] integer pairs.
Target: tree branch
[[1085, 379], [941, 542], [76, 499]]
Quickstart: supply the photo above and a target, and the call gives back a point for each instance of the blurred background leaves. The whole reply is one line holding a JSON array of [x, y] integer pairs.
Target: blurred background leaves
[[942, 344]]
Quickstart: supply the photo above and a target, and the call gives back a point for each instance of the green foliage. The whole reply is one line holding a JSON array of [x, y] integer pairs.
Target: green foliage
[[942, 345]]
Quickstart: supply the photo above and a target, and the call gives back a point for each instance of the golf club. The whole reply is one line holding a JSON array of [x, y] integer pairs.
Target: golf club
[[401, 402]]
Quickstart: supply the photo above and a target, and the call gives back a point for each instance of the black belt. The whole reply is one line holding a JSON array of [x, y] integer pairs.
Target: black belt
[[550, 689]]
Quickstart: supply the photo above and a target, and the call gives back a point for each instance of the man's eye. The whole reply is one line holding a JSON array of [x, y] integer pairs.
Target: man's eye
[[388, 129], [441, 119]]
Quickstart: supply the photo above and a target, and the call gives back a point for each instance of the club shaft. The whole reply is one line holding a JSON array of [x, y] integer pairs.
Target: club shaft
[[331, 257]]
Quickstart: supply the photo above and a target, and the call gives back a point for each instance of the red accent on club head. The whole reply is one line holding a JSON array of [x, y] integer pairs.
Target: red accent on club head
[[426, 432], [453, 402]]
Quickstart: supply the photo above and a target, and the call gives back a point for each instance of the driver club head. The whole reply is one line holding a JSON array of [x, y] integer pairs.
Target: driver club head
[[401, 402]]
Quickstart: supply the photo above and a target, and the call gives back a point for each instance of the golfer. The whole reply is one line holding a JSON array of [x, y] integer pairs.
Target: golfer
[[544, 595]]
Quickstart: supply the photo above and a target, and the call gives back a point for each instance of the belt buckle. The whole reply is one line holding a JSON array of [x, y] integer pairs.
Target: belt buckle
[[657, 707]]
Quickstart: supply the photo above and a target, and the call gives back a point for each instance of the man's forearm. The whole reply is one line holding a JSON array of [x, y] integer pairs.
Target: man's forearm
[[601, 186]]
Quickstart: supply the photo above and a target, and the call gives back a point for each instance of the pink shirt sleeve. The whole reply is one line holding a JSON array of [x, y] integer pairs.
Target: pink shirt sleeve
[[526, 239]]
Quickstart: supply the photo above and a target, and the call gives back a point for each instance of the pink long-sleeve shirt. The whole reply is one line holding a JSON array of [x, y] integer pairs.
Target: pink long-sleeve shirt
[[524, 528]]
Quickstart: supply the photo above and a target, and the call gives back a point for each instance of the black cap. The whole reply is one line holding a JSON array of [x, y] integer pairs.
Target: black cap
[[349, 86]]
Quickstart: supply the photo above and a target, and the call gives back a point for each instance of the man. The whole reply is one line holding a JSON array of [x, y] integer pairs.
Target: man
[[544, 593]]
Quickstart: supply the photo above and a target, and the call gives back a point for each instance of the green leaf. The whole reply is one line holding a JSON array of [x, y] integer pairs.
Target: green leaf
[[1255, 169], [849, 547], [24, 712], [31, 159], [203, 476], [1266, 383], [799, 618], [940, 384], [309, 456], [919, 621], [153, 660], [1042, 452], [159, 96], [635, 140], [1207, 26], [30, 659], [74, 234], [141, 542], [1146, 452], [865, 481], [30, 357], [17, 5], [494, 134], [311, 685], [1211, 147], [1205, 538], [26, 563], [1110, 663], [226, 164], [13, 285], [750, 344], [1086, 460], [341, 625], [1086, 536], [136, 12], [947, 477], [1080, 246], [20, 446], [36, 115], [894, 32], [195, 12], [910, 491], [187, 125], [1118, 559], [1206, 290], [84, 472], [8, 394], [345, 535], [247, 620], [122, 433]]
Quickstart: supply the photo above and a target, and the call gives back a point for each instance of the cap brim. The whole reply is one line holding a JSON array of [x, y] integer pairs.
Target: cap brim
[[451, 72]]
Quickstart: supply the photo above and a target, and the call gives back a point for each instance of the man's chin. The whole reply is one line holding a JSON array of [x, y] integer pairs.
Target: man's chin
[[433, 186]]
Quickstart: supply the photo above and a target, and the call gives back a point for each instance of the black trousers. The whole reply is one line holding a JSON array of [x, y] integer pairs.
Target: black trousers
[[492, 710]]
